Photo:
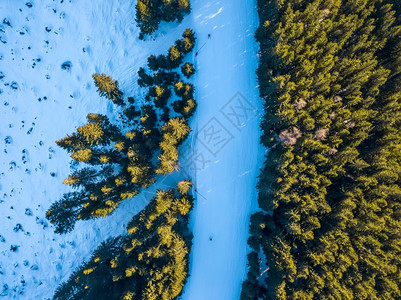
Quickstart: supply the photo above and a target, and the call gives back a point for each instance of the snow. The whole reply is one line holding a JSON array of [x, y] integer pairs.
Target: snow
[[92, 36], [47, 57], [227, 126]]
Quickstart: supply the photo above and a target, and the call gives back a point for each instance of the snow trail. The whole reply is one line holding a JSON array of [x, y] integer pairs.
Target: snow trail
[[227, 153]]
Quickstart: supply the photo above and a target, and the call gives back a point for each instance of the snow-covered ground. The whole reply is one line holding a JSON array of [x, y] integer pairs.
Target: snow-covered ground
[[227, 126], [41, 101]]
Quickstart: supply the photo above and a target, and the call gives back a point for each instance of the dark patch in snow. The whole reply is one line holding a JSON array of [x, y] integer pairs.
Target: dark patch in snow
[[24, 156], [7, 22], [4, 292], [67, 65], [8, 140], [13, 165], [14, 248], [14, 85], [18, 227], [41, 222]]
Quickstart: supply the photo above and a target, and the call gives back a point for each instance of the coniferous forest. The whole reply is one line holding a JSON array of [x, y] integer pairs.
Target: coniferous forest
[[118, 160], [149, 263], [330, 77], [149, 13], [300, 112]]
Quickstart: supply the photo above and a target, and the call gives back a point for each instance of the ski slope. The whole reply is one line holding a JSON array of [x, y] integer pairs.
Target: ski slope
[[227, 151]]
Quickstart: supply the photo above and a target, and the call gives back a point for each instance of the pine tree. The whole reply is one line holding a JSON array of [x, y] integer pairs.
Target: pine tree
[[178, 127], [188, 70], [145, 79], [109, 88], [184, 90], [72, 143], [92, 133], [64, 213], [175, 58]]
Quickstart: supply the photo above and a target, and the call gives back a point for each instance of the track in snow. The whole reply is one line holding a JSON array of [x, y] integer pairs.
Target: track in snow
[[227, 150]]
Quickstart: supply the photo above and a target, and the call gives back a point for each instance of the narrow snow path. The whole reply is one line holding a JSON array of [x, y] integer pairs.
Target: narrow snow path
[[228, 154]]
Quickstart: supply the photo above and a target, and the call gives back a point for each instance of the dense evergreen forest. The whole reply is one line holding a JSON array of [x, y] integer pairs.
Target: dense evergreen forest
[[330, 76], [149, 263], [149, 13], [113, 162]]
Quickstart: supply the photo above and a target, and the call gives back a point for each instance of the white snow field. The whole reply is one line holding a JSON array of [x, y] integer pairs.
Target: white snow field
[[48, 51], [228, 118]]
